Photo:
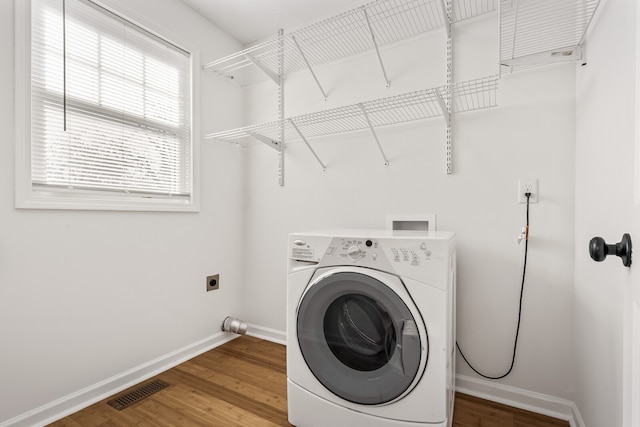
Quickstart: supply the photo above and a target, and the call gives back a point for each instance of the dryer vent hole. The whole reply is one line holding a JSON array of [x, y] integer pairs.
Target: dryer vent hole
[[213, 282]]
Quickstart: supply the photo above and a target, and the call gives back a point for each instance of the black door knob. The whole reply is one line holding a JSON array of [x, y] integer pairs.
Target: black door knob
[[599, 249]]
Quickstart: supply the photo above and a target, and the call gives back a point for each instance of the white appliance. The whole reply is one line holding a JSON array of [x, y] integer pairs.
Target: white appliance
[[371, 328]]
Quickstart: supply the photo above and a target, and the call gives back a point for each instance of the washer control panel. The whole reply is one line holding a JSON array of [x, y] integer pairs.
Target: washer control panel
[[418, 256], [408, 253], [398, 251]]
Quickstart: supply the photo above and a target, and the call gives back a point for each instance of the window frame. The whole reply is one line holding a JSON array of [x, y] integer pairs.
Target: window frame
[[27, 197]]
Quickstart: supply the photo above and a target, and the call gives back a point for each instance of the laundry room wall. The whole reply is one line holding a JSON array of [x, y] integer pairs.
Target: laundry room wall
[[530, 134], [90, 299]]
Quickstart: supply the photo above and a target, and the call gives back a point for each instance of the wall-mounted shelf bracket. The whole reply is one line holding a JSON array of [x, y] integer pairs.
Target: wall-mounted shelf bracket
[[446, 14], [373, 131], [444, 106], [375, 44], [266, 140], [324, 168], [262, 68], [280, 83], [306, 61]]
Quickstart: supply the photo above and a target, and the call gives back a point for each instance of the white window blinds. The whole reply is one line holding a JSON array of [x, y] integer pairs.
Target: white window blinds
[[110, 105]]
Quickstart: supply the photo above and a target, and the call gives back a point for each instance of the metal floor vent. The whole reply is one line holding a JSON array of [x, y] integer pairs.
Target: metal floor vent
[[137, 395]]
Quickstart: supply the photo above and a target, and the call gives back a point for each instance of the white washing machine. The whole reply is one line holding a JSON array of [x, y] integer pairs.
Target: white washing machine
[[371, 328]]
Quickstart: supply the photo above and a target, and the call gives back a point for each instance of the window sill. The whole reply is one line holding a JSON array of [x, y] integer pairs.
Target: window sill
[[37, 200]]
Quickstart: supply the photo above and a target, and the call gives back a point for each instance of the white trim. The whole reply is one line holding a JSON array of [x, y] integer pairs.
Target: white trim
[[576, 420], [87, 396], [22, 100], [269, 334], [637, 119], [523, 399]]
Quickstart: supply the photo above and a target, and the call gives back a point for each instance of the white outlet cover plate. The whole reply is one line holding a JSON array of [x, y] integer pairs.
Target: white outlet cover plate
[[523, 186]]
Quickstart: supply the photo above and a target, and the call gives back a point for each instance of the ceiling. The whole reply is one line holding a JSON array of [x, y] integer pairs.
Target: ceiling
[[251, 20]]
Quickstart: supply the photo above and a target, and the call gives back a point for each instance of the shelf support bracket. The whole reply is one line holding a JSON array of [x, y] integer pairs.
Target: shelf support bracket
[[375, 136], [375, 44], [447, 105], [268, 141], [324, 168], [443, 106], [515, 29], [304, 57], [280, 83], [262, 68], [447, 17]]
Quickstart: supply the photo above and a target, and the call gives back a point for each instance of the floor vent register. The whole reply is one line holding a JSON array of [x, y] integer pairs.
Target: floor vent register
[[137, 394]]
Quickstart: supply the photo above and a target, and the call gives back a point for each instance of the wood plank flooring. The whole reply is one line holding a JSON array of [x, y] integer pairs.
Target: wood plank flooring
[[243, 383]]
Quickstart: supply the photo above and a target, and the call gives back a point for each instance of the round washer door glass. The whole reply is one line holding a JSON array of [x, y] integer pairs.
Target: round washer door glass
[[359, 338]]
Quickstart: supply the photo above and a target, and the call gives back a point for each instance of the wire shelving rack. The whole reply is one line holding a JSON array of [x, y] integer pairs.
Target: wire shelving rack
[[358, 30], [535, 32], [365, 28], [422, 104]]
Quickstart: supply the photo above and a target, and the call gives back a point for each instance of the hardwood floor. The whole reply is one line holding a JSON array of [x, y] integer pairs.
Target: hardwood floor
[[243, 383]]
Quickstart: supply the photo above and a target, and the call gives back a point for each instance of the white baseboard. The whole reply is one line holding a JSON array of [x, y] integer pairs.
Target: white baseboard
[[523, 399], [262, 332], [577, 420], [76, 401]]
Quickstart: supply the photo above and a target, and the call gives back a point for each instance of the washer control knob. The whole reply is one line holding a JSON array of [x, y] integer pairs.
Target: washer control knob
[[423, 246], [354, 252]]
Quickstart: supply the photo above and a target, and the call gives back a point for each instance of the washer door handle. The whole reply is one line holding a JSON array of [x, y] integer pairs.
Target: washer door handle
[[410, 344]]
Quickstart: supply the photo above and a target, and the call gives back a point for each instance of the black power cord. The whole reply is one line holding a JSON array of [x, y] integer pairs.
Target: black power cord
[[515, 342]]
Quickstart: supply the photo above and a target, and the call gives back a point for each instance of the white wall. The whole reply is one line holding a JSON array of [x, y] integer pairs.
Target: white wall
[[530, 135], [85, 296], [604, 207]]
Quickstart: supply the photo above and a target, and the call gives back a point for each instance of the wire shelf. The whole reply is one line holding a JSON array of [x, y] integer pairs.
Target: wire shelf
[[346, 34], [466, 9], [418, 105], [534, 32]]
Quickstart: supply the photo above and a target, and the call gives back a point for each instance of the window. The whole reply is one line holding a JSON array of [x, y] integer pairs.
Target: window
[[106, 115]]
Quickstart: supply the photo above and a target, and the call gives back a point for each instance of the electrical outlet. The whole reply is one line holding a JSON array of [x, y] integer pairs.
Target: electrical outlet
[[528, 186], [213, 282]]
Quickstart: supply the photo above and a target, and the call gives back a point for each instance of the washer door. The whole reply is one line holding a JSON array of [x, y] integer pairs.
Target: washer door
[[358, 337]]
